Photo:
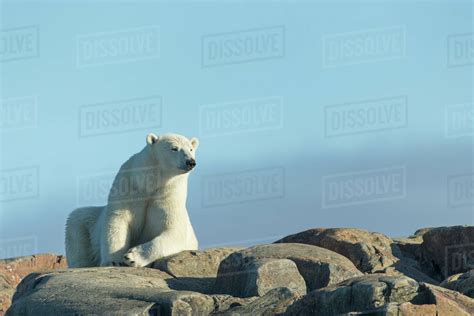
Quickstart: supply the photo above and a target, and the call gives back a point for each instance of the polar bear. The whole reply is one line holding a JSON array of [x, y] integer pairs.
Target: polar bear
[[145, 217]]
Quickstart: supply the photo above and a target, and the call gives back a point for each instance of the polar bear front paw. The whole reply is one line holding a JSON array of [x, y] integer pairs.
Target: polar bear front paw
[[133, 258]]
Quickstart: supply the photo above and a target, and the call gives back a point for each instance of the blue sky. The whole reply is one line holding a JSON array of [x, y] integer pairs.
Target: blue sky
[[288, 72]]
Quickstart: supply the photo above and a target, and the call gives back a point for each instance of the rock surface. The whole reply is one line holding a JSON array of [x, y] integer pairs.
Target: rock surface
[[285, 278], [12, 271], [370, 252], [274, 302], [318, 266], [199, 266], [379, 294], [111, 290], [448, 250], [257, 276], [461, 282], [360, 294]]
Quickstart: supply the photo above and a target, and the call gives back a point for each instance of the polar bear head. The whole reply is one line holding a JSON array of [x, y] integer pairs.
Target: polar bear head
[[174, 153]]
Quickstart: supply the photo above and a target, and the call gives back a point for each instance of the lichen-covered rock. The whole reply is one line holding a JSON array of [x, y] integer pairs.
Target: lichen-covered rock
[[409, 247], [318, 266], [410, 268], [370, 252], [461, 282], [448, 250], [274, 302], [447, 302], [198, 265], [13, 270], [359, 294], [378, 294], [105, 290], [257, 276], [194, 263]]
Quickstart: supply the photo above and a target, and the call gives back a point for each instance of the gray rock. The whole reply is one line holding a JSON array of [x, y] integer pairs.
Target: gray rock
[[370, 293], [409, 247], [318, 266], [223, 303], [410, 268], [370, 252], [257, 276], [195, 269], [105, 291], [274, 302], [448, 250], [194, 263], [461, 282]]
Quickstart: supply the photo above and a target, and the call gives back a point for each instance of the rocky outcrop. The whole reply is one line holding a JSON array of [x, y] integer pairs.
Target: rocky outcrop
[[461, 282], [12, 271], [360, 294], [318, 266], [448, 250], [257, 276], [274, 302], [369, 252], [380, 294], [199, 266], [316, 272]]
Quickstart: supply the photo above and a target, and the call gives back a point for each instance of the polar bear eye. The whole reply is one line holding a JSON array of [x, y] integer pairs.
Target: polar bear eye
[[174, 148]]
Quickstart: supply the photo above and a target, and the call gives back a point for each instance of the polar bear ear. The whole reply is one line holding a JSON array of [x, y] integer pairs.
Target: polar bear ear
[[151, 139], [195, 142]]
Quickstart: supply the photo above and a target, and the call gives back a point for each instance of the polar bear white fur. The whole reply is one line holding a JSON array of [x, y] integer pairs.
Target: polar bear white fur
[[145, 217]]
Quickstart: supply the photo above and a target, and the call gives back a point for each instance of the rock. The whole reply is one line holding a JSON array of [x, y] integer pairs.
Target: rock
[[448, 250], [409, 246], [370, 252], [115, 290], [379, 294], [318, 266], [12, 271], [199, 267], [194, 263], [222, 303], [461, 282], [410, 268], [257, 276], [447, 302], [367, 293], [273, 302], [109, 290]]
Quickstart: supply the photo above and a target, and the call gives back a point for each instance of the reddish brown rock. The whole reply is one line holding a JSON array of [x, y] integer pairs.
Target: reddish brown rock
[[12, 271], [370, 252]]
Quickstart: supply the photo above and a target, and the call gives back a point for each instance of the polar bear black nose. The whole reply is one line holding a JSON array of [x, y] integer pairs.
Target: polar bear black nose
[[190, 163]]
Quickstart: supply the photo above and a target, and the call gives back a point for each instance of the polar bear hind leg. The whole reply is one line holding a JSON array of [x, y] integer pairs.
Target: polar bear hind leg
[[80, 252]]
